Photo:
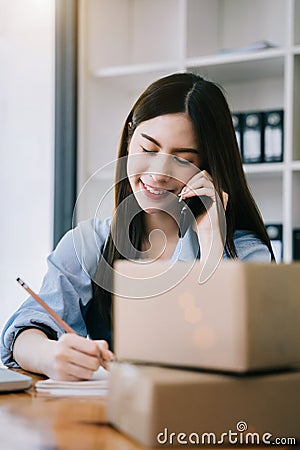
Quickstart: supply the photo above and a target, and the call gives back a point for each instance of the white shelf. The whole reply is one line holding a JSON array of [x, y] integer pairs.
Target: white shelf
[[241, 67], [236, 56], [130, 32], [296, 50], [228, 67], [295, 166], [264, 168], [134, 69], [134, 76]]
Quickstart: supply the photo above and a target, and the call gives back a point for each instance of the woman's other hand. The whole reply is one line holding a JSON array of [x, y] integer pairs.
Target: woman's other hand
[[71, 358], [77, 358]]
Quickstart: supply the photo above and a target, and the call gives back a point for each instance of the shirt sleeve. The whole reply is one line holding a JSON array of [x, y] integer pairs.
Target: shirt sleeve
[[250, 248], [66, 286]]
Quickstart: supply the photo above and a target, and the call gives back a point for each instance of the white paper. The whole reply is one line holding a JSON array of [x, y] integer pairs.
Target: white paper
[[96, 386]]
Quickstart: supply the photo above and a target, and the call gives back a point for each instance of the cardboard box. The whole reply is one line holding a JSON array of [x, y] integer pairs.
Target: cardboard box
[[245, 317], [163, 407]]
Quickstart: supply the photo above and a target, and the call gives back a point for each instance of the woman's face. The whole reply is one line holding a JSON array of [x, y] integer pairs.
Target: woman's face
[[162, 156]]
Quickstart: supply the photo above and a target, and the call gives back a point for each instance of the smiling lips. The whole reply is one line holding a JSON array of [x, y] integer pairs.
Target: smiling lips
[[154, 191]]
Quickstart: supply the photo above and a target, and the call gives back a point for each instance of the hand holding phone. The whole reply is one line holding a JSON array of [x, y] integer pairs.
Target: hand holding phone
[[198, 196]]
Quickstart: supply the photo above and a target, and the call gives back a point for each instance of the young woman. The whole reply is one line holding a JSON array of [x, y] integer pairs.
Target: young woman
[[178, 143]]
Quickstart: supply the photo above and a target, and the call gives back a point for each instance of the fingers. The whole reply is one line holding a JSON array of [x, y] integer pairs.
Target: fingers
[[105, 354], [69, 371], [80, 344], [208, 177], [76, 358], [188, 192], [199, 185]]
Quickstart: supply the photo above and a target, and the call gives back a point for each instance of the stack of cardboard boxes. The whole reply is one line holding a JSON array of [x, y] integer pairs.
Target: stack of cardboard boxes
[[239, 384]]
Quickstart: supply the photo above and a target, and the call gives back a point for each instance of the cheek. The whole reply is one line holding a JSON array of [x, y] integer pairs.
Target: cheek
[[183, 175], [136, 164]]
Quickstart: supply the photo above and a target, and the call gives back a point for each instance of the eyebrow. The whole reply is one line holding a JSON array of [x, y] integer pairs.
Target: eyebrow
[[177, 150]]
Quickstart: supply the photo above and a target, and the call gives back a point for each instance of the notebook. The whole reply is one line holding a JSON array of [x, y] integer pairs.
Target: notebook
[[96, 386], [245, 318], [13, 381]]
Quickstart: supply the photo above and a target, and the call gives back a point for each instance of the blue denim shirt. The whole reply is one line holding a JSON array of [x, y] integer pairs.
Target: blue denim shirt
[[67, 285]]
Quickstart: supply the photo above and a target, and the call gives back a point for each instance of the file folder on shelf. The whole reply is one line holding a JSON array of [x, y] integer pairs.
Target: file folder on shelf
[[273, 136], [237, 120], [296, 244], [275, 234], [253, 137]]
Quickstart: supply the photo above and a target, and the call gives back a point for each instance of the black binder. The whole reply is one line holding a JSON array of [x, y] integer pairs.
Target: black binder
[[253, 137], [296, 244], [273, 136], [275, 234], [237, 120]]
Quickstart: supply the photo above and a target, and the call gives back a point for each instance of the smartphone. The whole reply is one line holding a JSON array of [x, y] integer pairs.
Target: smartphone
[[191, 209]]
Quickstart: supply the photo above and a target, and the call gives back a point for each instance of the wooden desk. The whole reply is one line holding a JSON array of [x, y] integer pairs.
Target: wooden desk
[[33, 421]]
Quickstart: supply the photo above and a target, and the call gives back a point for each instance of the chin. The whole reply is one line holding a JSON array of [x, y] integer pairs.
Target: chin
[[151, 210]]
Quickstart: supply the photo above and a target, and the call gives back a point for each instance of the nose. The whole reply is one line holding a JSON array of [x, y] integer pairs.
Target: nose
[[160, 169], [159, 177]]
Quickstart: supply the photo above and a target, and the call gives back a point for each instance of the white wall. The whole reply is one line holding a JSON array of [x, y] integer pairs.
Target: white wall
[[26, 145]]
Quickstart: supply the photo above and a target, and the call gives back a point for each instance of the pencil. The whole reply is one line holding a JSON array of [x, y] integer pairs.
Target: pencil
[[49, 310]]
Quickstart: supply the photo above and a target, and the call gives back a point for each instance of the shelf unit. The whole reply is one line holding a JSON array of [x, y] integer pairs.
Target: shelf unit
[[126, 44]]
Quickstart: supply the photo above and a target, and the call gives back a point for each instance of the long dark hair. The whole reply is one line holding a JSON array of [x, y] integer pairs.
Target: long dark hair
[[208, 110]]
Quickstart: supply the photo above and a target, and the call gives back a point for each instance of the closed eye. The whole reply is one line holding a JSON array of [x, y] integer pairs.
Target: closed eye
[[182, 161], [148, 151]]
